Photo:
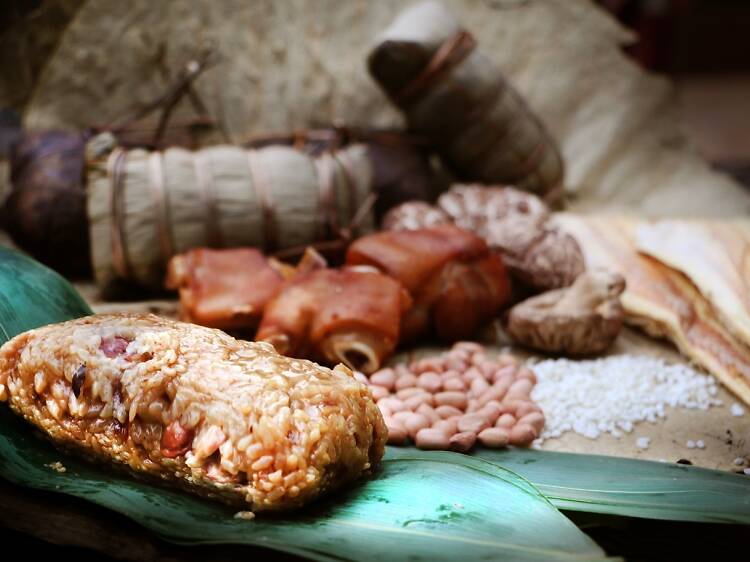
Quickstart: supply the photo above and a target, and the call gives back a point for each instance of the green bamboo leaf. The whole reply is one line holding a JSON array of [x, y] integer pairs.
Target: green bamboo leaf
[[625, 487], [431, 506], [32, 295], [436, 506]]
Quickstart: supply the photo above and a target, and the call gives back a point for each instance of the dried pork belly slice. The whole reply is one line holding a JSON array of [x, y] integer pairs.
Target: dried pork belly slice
[[349, 315], [716, 258], [662, 300], [194, 407], [224, 289]]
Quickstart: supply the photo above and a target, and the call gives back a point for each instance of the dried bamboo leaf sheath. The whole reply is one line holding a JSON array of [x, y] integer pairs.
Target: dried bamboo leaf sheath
[[146, 206], [451, 93]]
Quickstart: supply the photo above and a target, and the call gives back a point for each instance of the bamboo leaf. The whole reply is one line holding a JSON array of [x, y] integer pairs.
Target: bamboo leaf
[[32, 295], [436, 506], [625, 487], [429, 506]]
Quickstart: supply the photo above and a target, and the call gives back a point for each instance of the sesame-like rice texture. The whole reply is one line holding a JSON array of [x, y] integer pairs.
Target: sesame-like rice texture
[[223, 418]]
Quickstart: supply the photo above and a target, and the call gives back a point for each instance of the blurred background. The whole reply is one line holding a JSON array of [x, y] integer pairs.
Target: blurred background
[[705, 46], [702, 45]]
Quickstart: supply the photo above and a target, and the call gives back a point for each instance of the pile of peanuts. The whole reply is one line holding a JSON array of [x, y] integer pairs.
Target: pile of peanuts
[[456, 399]]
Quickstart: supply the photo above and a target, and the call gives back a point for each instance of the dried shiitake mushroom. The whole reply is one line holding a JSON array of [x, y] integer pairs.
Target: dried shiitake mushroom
[[582, 319], [477, 207], [513, 223], [551, 260], [414, 215]]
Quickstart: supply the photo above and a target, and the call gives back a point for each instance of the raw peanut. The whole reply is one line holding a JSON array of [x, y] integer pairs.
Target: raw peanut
[[463, 441], [473, 405], [520, 388], [522, 434], [400, 370], [396, 432], [430, 381], [505, 360], [479, 359], [491, 411], [526, 373], [478, 356], [454, 383], [501, 372], [400, 417], [405, 381], [414, 423], [429, 438], [473, 422], [487, 368], [478, 387], [451, 398], [434, 364], [455, 363], [449, 426], [524, 407], [429, 412], [535, 420], [504, 408], [512, 404], [506, 421], [378, 392], [449, 373], [384, 377], [392, 403], [426, 364], [447, 411], [468, 346], [361, 377], [417, 400], [461, 353], [494, 437], [496, 392], [416, 366], [470, 374], [405, 393]]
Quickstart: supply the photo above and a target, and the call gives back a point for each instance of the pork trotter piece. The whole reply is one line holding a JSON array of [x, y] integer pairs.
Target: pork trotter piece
[[456, 283]]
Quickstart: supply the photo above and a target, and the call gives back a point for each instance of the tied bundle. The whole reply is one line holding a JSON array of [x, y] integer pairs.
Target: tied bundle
[[146, 206], [141, 206], [454, 96]]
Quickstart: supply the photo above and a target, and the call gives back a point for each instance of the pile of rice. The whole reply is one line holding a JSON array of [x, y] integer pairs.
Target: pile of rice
[[612, 394]]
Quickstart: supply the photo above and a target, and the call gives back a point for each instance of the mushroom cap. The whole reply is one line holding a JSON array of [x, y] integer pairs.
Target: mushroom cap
[[582, 319], [414, 215], [551, 260], [478, 207]]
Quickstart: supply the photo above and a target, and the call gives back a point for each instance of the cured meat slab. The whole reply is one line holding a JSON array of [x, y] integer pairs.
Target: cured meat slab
[[714, 255], [663, 301]]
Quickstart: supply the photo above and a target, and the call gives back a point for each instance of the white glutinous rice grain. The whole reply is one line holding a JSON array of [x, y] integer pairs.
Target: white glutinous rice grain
[[746, 471], [690, 444], [611, 394], [247, 515], [700, 444], [739, 461], [737, 410], [643, 442]]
